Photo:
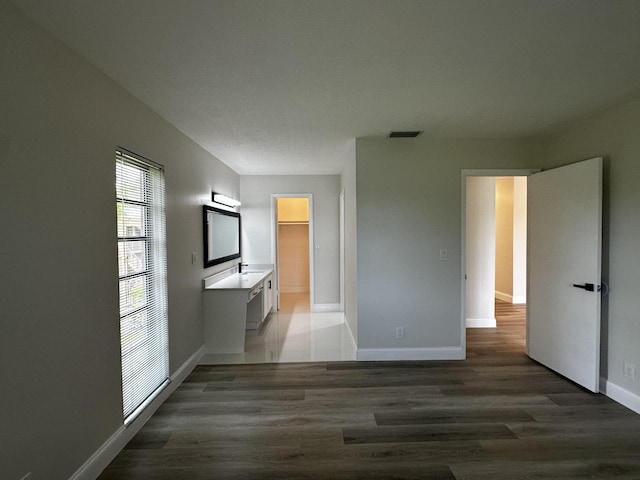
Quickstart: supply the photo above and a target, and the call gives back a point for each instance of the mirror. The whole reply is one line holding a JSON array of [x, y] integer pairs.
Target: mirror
[[221, 235]]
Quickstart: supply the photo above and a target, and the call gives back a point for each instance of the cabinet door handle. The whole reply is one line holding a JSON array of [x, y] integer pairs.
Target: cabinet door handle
[[269, 284]]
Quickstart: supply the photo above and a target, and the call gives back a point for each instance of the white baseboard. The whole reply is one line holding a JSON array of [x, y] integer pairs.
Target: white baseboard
[[505, 297], [325, 307], [620, 395], [294, 289], [352, 337], [515, 299], [101, 458], [444, 353], [187, 367], [481, 323]]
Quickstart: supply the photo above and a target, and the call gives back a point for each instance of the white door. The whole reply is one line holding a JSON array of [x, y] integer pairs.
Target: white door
[[564, 255]]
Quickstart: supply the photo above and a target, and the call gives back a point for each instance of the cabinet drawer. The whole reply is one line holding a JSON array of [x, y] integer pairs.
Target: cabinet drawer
[[255, 292]]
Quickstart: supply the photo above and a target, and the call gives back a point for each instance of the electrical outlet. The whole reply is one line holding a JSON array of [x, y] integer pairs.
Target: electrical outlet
[[629, 370], [399, 332], [444, 255]]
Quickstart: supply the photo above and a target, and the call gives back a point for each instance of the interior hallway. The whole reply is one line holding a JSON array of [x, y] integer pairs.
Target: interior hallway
[[294, 334], [509, 336], [495, 416]]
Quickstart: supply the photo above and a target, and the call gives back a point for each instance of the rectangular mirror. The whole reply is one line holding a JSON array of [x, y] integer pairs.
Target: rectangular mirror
[[221, 235]]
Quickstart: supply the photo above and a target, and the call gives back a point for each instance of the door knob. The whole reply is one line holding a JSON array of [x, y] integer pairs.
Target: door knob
[[589, 287]]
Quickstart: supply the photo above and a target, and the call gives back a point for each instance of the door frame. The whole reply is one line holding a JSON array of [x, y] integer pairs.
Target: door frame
[[499, 172], [274, 245], [342, 246]]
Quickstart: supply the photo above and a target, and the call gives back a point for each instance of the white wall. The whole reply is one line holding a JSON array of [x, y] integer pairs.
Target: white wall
[[408, 209], [519, 240], [255, 194], [481, 251], [613, 134], [511, 239], [60, 123]]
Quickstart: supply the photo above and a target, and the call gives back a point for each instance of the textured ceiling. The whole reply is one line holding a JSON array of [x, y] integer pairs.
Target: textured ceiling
[[284, 87]]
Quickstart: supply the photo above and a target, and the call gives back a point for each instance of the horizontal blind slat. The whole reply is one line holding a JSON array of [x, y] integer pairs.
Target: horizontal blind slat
[[142, 272]]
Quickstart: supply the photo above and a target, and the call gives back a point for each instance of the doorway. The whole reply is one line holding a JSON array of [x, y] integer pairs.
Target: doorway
[[494, 249], [292, 246]]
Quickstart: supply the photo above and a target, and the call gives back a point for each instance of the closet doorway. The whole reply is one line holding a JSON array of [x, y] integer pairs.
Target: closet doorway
[[292, 229]]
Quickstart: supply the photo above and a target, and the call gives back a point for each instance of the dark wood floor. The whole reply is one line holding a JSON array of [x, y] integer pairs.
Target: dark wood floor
[[497, 415]]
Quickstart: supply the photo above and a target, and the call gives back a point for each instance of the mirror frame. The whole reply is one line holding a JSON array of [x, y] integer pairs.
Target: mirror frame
[[210, 262]]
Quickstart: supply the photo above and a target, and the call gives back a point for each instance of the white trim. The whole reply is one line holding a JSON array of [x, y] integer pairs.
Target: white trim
[[352, 337], [294, 290], [620, 395], [325, 307], [481, 323], [519, 300], [443, 353], [516, 300], [187, 367], [143, 406], [101, 458], [342, 248], [505, 297]]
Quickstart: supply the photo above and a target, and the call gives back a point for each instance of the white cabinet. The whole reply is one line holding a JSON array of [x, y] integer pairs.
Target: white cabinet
[[260, 308], [267, 293], [232, 304]]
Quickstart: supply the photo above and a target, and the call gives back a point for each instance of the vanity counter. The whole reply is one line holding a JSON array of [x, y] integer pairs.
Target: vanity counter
[[237, 281]]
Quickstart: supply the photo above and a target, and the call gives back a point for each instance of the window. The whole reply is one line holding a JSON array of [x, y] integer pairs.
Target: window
[[142, 281]]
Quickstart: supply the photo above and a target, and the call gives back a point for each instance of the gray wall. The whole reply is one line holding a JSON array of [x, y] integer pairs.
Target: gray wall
[[408, 200], [255, 194], [60, 123], [348, 182], [408, 209], [613, 134]]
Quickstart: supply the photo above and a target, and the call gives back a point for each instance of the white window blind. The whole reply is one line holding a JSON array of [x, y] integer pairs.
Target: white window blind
[[142, 281]]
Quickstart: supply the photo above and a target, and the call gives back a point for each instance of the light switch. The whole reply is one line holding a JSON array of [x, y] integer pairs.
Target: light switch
[[444, 254], [194, 258]]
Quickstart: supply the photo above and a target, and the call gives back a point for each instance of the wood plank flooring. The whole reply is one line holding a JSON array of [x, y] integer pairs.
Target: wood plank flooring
[[497, 415]]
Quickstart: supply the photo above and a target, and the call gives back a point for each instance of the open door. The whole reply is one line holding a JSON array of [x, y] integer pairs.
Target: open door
[[564, 259]]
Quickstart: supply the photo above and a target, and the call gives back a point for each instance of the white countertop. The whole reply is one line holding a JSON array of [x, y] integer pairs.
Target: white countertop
[[238, 281]]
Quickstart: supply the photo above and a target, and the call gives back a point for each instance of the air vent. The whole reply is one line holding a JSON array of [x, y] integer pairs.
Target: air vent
[[404, 134]]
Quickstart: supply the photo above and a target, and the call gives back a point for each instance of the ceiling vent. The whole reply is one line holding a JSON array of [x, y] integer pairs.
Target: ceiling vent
[[404, 134]]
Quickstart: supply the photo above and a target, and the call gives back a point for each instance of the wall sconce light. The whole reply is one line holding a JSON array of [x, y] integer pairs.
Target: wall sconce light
[[224, 200]]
